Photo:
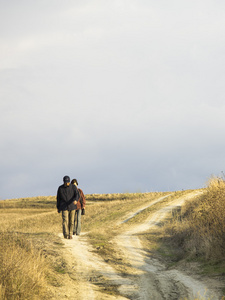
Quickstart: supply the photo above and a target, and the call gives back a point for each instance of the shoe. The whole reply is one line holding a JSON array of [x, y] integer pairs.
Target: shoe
[[65, 237], [74, 233], [70, 237]]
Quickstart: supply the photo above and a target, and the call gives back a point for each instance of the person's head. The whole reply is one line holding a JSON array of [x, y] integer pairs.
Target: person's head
[[74, 181], [66, 180]]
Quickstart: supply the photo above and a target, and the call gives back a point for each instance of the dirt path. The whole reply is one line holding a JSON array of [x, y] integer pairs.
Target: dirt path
[[90, 266], [149, 278], [154, 281]]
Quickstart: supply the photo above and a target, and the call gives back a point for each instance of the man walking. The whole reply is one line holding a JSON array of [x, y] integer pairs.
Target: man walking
[[80, 207], [67, 197]]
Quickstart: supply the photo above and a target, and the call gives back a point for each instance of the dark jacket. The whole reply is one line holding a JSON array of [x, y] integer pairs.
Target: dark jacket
[[66, 195], [82, 202]]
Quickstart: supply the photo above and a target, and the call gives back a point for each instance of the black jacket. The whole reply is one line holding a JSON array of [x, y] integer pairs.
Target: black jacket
[[66, 195]]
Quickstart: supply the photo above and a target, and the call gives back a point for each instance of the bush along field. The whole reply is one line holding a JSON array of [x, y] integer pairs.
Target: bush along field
[[31, 262]]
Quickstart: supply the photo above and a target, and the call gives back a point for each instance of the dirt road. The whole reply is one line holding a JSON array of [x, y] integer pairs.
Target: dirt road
[[149, 278]]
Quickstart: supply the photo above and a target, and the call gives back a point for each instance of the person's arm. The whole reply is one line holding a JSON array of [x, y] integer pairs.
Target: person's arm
[[83, 199], [76, 195], [58, 201]]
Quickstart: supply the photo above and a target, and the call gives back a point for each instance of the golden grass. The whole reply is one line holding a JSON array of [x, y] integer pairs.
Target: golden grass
[[101, 219], [25, 268], [33, 202], [22, 269], [36, 219], [29, 220], [200, 230]]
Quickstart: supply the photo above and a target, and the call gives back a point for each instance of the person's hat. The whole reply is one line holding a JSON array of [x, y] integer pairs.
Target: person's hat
[[66, 179]]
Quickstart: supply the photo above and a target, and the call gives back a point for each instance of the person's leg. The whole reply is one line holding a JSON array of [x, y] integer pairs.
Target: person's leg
[[75, 222], [71, 222], [65, 223], [78, 228]]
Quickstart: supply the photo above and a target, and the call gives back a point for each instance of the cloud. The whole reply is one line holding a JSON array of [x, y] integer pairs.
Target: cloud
[[124, 96]]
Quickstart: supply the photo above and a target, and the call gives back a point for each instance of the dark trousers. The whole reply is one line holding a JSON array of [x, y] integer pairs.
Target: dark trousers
[[77, 222]]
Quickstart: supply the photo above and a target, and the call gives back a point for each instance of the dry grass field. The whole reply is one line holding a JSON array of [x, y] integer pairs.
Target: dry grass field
[[199, 229], [32, 265], [29, 242]]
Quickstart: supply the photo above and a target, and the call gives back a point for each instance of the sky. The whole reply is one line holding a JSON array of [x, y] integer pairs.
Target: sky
[[123, 95]]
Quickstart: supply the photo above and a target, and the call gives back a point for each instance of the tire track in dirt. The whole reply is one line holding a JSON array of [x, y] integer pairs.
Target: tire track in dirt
[[90, 264], [148, 280], [154, 281], [133, 214]]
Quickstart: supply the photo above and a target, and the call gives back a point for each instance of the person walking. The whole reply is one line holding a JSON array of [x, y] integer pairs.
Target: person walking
[[80, 210], [67, 197]]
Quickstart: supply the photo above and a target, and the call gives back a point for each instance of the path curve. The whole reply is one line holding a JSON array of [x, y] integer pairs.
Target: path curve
[[154, 281], [150, 279]]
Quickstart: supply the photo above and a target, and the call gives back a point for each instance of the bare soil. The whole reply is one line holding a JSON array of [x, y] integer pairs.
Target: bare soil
[[146, 277]]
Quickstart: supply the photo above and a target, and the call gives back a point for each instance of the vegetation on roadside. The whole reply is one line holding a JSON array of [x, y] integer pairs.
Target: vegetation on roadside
[[31, 259], [197, 232], [30, 249], [22, 269]]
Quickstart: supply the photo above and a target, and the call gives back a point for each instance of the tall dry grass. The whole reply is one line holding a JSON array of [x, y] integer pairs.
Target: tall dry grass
[[22, 269], [200, 230]]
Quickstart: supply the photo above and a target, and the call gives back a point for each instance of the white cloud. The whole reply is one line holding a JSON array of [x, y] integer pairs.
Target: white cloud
[[124, 95]]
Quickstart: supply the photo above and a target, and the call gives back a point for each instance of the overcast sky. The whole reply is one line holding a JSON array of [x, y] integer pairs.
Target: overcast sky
[[124, 95]]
